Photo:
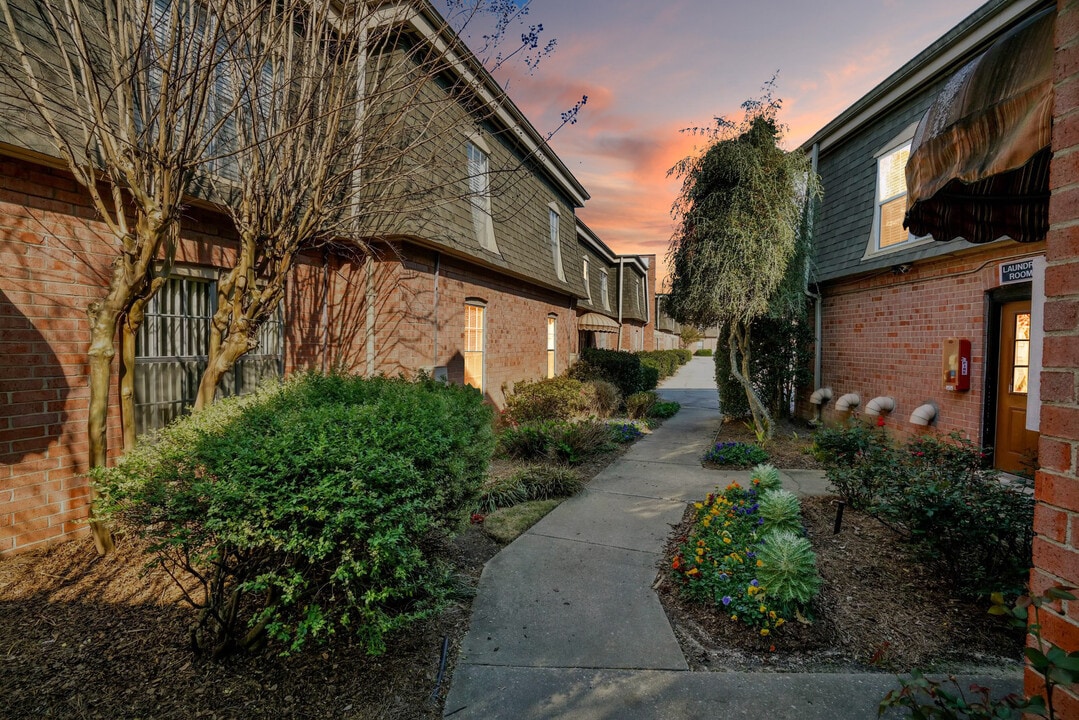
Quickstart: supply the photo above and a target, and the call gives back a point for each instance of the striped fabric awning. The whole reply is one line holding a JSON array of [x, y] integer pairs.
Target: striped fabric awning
[[979, 162], [597, 323]]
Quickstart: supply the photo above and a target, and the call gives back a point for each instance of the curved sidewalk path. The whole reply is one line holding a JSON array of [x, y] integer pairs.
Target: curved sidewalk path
[[565, 623]]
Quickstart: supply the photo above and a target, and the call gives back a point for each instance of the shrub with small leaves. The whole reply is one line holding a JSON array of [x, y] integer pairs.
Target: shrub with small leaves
[[529, 441], [781, 511], [559, 398], [664, 410], [765, 477], [704, 352], [305, 508], [788, 570], [735, 454]]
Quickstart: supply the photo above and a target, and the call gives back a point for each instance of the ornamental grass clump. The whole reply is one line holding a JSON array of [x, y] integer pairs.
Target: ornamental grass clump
[[788, 569], [307, 508], [781, 511], [722, 563], [544, 482]]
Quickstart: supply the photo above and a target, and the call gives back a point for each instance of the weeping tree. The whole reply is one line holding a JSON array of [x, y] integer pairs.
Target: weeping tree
[[735, 254], [121, 89]]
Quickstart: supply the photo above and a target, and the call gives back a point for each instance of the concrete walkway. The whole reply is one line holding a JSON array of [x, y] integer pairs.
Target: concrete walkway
[[565, 623]]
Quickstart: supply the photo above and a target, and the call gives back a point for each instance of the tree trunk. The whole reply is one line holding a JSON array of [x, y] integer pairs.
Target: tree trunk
[[102, 349], [738, 342], [127, 384]]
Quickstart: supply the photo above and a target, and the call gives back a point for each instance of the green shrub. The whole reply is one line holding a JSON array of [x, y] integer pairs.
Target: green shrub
[[936, 492], [735, 454], [704, 352], [543, 482], [858, 460], [560, 398], [684, 356], [500, 493], [605, 398], [780, 511], [664, 410], [579, 441], [639, 404], [765, 477], [530, 440], [304, 507], [666, 362], [623, 369], [788, 570]]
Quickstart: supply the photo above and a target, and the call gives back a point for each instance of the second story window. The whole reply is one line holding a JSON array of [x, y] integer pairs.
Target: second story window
[[556, 242], [587, 285], [479, 191], [603, 291], [891, 201]]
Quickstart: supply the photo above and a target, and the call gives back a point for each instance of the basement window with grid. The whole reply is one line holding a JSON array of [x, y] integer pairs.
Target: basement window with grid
[[172, 348]]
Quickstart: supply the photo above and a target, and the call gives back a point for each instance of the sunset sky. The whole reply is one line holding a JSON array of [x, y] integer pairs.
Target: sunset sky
[[652, 68]]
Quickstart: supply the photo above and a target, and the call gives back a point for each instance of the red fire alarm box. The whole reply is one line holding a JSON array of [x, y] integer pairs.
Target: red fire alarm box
[[956, 364]]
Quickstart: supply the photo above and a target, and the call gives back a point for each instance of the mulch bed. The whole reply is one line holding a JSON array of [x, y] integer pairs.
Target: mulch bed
[[878, 609], [88, 637]]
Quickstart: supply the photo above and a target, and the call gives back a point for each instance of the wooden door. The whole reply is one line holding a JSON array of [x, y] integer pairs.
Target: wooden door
[[1016, 447]]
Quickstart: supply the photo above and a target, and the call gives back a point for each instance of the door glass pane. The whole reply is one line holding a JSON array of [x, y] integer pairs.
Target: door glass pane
[[1022, 326], [1019, 380], [1022, 352]]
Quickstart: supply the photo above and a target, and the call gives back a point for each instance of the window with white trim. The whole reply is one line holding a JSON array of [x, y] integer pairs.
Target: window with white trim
[[552, 335], [474, 343], [556, 242], [587, 284], [172, 348], [890, 197], [603, 290], [480, 194]]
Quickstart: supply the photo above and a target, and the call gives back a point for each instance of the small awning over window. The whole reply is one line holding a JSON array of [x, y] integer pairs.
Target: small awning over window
[[596, 323], [979, 163]]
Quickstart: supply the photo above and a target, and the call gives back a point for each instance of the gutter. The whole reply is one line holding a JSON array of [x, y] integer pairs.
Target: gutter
[[818, 322]]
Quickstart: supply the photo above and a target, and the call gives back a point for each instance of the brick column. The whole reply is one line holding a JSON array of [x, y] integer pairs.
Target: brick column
[[1056, 519]]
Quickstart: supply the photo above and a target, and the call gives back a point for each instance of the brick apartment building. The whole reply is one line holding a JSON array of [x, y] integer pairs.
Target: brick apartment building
[[890, 299], [483, 287]]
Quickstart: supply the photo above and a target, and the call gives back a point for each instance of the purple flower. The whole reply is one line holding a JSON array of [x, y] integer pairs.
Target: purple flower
[[726, 599], [723, 576], [754, 583]]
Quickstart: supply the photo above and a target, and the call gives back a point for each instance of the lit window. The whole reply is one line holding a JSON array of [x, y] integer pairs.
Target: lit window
[[172, 347], [891, 198], [1021, 354], [552, 333], [480, 197], [556, 243], [603, 291], [474, 344]]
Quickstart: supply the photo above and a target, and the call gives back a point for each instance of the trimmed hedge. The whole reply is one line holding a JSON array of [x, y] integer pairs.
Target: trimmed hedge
[[559, 398], [307, 507], [623, 369], [666, 362]]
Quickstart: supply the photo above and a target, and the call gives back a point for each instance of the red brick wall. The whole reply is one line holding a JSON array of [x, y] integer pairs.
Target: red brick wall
[[54, 258], [883, 335], [1056, 520]]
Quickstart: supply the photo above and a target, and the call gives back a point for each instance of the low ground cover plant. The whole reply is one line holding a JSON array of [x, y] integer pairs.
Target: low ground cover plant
[[937, 492], [732, 559], [303, 509], [735, 454]]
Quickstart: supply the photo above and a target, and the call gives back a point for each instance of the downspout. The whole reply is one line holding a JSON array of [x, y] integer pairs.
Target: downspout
[[325, 310], [438, 267], [621, 277], [818, 323]]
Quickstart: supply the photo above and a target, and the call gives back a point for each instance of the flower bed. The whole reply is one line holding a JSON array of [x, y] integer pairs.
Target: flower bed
[[733, 546]]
